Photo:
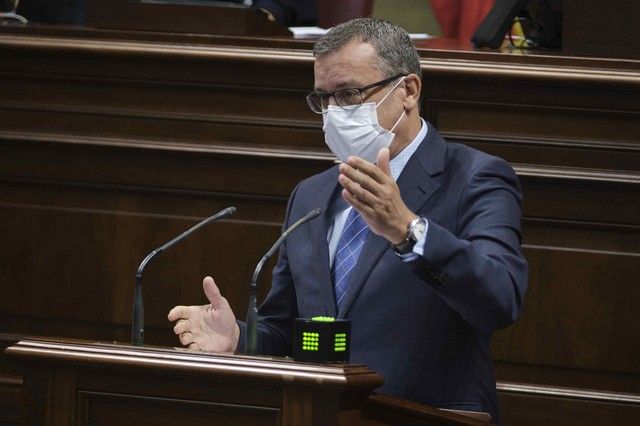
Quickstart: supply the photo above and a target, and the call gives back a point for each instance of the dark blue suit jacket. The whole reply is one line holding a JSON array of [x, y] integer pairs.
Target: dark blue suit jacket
[[425, 325]]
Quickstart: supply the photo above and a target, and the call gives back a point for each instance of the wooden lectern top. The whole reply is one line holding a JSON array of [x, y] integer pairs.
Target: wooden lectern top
[[82, 353], [79, 382]]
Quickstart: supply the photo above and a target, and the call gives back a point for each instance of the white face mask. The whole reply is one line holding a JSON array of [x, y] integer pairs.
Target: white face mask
[[354, 130]]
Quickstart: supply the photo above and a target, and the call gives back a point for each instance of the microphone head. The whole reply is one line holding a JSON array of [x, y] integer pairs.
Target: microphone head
[[227, 212], [313, 213]]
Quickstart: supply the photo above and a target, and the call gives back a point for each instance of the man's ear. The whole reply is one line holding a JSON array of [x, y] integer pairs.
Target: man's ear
[[413, 85]]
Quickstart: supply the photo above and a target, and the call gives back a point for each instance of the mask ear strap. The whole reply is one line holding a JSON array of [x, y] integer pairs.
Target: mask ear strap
[[398, 122], [388, 93]]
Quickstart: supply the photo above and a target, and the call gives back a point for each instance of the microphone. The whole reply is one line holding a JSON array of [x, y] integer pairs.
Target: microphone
[[137, 316], [252, 313]]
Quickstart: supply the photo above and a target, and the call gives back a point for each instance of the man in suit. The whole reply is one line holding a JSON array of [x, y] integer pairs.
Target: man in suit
[[418, 243]]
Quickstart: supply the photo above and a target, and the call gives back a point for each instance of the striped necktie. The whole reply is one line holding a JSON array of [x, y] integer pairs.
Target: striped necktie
[[351, 241]]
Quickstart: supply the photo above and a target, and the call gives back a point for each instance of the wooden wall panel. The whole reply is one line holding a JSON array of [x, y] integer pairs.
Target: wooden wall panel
[[570, 307], [169, 112], [537, 122], [122, 409], [562, 407], [88, 227]]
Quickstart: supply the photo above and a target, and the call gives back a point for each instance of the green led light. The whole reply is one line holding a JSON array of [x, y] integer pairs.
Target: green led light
[[340, 342], [310, 341], [323, 319]]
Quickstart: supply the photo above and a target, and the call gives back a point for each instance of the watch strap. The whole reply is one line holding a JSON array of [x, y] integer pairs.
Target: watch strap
[[414, 233], [405, 246]]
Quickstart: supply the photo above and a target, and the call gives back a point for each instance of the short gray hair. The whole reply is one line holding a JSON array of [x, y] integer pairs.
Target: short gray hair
[[396, 52]]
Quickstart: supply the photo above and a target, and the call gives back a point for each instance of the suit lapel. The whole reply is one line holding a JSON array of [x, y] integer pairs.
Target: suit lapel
[[418, 183]]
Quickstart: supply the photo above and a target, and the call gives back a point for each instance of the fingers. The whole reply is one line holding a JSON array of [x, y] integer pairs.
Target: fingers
[[360, 177], [212, 292], [360, 195], [356, 182], [178, 312], [182, 326], [185, 328], [358, 203], [187, 334], [374, 171], [186, 338]]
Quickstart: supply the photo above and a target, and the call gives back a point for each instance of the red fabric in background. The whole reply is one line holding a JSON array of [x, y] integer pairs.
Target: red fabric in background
[[460, 18]]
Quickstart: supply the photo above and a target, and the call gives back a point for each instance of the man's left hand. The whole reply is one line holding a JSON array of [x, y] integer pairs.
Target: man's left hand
[[371, 189]]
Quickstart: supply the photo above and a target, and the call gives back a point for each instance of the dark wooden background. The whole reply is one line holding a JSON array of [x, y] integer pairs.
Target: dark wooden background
[[113, 142]]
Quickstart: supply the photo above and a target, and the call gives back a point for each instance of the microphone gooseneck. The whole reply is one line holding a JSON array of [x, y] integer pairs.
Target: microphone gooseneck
[[137, 316], [252, 313]]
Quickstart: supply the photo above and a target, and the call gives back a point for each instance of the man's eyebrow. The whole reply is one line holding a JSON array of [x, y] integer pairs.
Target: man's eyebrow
[[348, 84]]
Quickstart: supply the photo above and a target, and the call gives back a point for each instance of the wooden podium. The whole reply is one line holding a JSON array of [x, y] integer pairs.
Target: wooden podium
[[77, 383]]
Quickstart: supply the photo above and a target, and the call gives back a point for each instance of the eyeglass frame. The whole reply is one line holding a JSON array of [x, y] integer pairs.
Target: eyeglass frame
[[360, 91]]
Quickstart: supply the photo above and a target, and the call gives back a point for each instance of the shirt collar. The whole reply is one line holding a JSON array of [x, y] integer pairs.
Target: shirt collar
[[398, 163]]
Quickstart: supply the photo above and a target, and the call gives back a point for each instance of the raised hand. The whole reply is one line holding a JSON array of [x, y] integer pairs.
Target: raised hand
[[209, 328], [371, 189]]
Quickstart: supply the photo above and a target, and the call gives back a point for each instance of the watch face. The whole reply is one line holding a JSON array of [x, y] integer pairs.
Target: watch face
[[418, 228]]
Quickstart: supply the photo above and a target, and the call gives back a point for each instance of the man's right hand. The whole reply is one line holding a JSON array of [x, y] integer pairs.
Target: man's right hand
[[209, 328]]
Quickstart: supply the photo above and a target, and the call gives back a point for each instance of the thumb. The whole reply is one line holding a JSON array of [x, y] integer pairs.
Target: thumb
[[212, 292], [382, 161]]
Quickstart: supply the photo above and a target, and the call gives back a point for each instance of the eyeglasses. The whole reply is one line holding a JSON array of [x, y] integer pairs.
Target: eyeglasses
[[318, 102]]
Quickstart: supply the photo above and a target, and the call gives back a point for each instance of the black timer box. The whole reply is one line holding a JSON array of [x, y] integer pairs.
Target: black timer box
[[321, 339]]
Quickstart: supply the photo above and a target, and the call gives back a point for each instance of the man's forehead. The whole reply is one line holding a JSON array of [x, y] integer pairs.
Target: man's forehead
[[352, 65], [355, 52]]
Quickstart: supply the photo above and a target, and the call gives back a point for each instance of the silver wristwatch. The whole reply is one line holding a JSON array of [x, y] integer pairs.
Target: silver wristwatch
[[415, 232]]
